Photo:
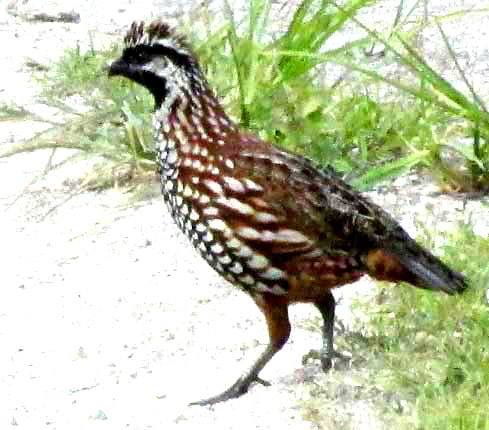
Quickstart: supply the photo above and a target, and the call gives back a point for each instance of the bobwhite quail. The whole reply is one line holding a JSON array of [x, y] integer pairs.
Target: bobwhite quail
[[267, 220]]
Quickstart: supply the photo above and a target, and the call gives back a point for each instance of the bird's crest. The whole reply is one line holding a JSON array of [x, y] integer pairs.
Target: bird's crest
[[156, 32]]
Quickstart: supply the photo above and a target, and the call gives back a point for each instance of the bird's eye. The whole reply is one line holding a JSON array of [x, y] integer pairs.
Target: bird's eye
[[138, 56]]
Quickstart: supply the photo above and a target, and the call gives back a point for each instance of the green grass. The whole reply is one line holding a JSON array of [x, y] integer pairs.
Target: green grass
[[107, 121], [435, 348], [421, 361], [271, 88]]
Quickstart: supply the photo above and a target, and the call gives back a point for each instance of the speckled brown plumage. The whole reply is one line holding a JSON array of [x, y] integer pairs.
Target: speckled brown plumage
[[267, 220]]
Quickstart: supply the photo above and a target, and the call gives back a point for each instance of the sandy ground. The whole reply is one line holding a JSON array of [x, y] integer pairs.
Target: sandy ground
[[109, 319]]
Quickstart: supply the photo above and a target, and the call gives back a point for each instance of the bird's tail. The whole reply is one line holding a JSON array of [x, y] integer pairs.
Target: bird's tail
[[409, 262]]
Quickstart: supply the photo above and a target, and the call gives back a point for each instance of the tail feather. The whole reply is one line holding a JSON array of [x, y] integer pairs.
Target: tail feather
[[409, 262]]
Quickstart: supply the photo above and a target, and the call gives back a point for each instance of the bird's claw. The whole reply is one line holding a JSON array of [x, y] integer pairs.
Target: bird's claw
[[236, 390], [327, 359]]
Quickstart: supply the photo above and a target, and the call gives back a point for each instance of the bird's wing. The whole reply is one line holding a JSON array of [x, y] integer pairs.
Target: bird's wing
[[317, 209]]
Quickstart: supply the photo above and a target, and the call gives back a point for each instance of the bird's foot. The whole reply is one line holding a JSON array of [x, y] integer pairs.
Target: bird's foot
[[236, 390], [329, 359]]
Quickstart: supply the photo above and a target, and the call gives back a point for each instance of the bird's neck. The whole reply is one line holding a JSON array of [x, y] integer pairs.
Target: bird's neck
[[192, 116]]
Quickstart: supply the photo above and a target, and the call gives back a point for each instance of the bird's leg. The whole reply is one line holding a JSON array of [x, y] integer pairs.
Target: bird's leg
[[277, 317], [326, 307]]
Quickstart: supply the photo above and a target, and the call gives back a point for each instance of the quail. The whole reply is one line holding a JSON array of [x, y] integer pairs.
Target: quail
[[268, 221]]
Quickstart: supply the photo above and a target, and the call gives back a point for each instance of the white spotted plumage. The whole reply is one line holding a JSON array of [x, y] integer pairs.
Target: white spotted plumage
[[188, 125]]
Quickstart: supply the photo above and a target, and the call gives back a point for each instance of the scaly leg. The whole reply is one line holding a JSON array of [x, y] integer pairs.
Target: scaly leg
[[327, 307], [276, 313]]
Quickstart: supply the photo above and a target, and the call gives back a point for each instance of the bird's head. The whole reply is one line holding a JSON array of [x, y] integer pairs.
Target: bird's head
[[159, 59]]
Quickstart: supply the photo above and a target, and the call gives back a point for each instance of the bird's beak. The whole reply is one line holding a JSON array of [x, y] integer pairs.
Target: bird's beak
[[118, 68]]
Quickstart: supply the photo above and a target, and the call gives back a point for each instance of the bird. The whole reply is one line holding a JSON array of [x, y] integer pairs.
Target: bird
[[269, 221]]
